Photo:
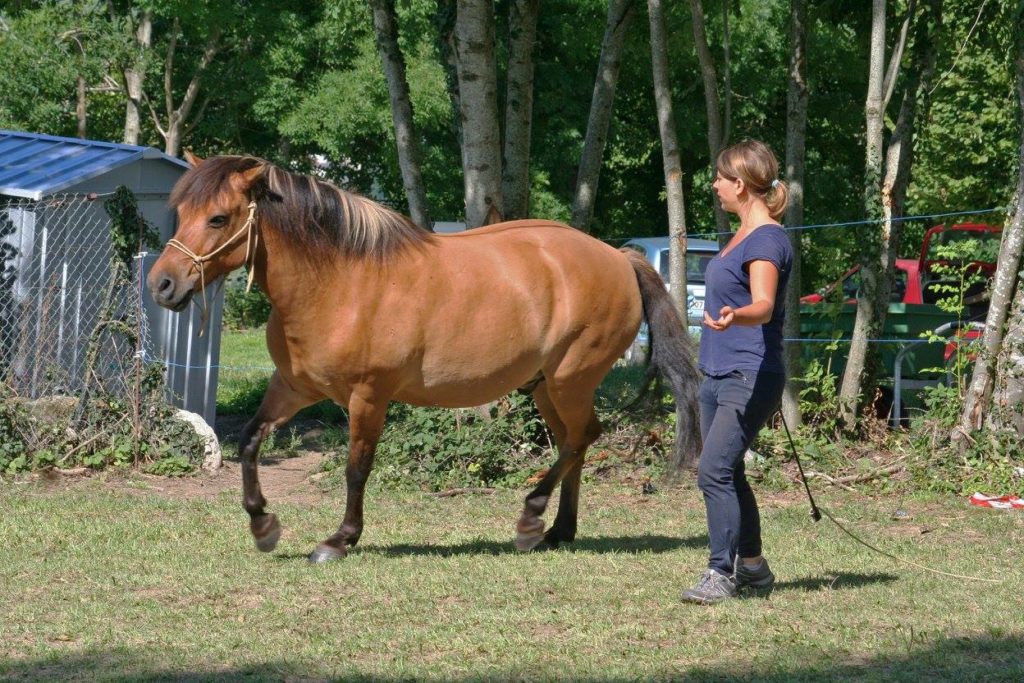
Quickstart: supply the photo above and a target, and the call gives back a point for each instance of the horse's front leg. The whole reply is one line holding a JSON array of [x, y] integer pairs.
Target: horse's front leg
[[366, 422], [279, 404]]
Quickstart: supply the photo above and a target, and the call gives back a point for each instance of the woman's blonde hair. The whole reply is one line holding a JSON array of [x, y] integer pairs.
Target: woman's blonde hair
[[755, 164]]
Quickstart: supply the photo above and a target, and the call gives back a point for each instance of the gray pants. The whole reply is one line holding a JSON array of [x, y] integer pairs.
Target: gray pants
[[733, 408]]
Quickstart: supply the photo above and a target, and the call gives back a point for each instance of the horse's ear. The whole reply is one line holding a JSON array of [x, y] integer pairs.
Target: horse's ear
[[191, 158], [493, 216], [245, 180]]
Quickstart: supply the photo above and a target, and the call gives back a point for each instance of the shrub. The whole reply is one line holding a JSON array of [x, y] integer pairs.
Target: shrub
[[244, 310]]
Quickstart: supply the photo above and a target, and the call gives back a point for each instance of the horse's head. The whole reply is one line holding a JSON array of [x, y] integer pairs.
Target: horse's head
[[216, 227]]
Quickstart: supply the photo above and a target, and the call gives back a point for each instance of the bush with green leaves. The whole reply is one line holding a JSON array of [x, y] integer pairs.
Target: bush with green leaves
[[436, 448], [243, 309]]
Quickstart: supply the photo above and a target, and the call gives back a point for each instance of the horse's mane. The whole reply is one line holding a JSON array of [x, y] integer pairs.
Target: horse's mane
[[312, 214]]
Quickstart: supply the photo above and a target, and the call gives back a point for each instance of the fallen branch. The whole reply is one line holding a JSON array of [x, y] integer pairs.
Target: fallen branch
[[830, 480], [74, 471], [845, 481], [461, 491]]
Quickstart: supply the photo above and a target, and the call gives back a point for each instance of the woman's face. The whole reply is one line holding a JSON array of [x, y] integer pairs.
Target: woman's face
[[728, 191]]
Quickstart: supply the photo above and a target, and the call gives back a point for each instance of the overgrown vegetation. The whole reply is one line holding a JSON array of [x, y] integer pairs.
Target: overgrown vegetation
[[244, 310], [119, 415]]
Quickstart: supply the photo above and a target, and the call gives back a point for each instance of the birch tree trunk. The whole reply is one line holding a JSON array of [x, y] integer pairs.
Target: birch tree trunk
[[1008, 395], [386, 29], [515, 181], [134, 77], [900, 151], [866, 322], [478, 103], [976, 402], [620, 14], [80, 108], [713, 107], [796, 137], [670, 156]]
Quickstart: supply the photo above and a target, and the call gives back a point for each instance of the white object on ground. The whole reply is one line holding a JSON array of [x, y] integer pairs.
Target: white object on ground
[[212, 459]]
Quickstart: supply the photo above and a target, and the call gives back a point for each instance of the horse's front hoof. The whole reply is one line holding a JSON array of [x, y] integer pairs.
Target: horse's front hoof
[[325, 553], [529, 534], [266, 532]]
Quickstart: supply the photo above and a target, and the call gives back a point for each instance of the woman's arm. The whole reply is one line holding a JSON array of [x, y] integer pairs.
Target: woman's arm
[[764, 283]]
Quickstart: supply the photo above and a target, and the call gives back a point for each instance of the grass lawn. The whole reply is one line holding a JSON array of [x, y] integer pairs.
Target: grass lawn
[[117, 580], [244, 373]]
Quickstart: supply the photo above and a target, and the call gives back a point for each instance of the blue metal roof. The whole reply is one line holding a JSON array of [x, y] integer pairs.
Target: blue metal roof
[[34, 165]]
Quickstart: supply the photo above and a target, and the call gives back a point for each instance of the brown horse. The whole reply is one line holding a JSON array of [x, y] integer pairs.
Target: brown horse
[[368, 308]]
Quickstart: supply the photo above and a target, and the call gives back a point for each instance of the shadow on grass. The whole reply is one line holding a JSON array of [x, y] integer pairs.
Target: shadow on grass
[[834, 582], [598, 545], [949, 659]]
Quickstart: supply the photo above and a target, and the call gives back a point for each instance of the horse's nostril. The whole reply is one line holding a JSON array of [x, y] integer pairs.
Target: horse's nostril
[[165, 286]]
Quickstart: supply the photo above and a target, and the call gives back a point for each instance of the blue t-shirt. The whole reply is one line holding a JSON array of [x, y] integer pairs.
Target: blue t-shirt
[[727, 282]]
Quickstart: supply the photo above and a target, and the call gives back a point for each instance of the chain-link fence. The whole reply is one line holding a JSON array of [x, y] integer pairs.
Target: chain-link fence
[[70, 313]]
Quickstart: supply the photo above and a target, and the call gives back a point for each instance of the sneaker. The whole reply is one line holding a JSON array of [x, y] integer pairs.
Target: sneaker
[[711, 588], [758, 579]]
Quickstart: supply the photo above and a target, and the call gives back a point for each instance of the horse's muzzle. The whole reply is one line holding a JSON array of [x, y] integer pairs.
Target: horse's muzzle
[[169, 293]]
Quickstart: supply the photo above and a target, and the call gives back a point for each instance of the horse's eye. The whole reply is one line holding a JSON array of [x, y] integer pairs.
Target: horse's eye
[[218, 221]]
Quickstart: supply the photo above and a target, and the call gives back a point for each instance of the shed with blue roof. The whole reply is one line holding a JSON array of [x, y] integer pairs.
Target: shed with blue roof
[[55, 251]]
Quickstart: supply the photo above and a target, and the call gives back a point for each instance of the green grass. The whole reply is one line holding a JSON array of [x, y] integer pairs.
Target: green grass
[[245, 371], [109, 583]]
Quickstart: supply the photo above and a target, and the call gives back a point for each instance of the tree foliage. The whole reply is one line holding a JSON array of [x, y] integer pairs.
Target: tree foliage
[[302, 84]]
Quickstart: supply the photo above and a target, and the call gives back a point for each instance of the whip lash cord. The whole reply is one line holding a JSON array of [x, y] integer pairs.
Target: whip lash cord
[[816, 514]]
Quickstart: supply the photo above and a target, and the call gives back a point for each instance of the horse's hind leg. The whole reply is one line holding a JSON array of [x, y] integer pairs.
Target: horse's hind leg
[[570, 414], [366, 422], [564, 528], [279, 404]]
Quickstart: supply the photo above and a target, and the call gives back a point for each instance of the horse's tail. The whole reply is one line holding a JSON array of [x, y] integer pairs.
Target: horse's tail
[[672, 355]]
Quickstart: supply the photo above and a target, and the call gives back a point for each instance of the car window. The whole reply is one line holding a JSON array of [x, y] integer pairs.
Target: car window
[[663, 261], [851, 286], [696, 264]]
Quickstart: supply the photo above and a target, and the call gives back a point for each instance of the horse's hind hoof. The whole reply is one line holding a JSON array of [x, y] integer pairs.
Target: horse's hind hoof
[[266, 532], [325, 553]]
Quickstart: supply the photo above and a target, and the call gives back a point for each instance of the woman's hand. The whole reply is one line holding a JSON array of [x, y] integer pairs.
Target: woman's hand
[[726, 316]]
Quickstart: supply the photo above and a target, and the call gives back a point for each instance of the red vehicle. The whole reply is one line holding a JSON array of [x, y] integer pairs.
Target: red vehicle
[[918, 283], [915, 280]]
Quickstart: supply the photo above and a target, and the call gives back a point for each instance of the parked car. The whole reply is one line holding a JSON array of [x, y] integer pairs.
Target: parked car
[[918, 284], [698, 254], [918, 281]]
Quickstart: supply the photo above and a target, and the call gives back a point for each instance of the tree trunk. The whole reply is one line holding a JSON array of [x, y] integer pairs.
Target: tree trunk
[[900, 152], [712, 105], [444, 22], [620, 14], [134, 77], [180, 119], [796, 138], [1008, 396], [515, 182], [976, 402], [478, 101], [866, 323], [669, 155], [726, 75], [386, 29], [80, 110]]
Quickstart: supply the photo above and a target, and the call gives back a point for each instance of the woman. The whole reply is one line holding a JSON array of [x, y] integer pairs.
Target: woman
[[741, 358]]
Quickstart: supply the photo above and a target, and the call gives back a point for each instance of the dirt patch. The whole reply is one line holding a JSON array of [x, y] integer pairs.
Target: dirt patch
[[283, 478]]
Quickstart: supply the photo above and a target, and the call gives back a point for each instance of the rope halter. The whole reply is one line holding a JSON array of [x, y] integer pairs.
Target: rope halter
[[252, 239]]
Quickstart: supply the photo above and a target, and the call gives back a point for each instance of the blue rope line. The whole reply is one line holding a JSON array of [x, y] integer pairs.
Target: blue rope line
[[265, 368], [872, 341], [872, 221]]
